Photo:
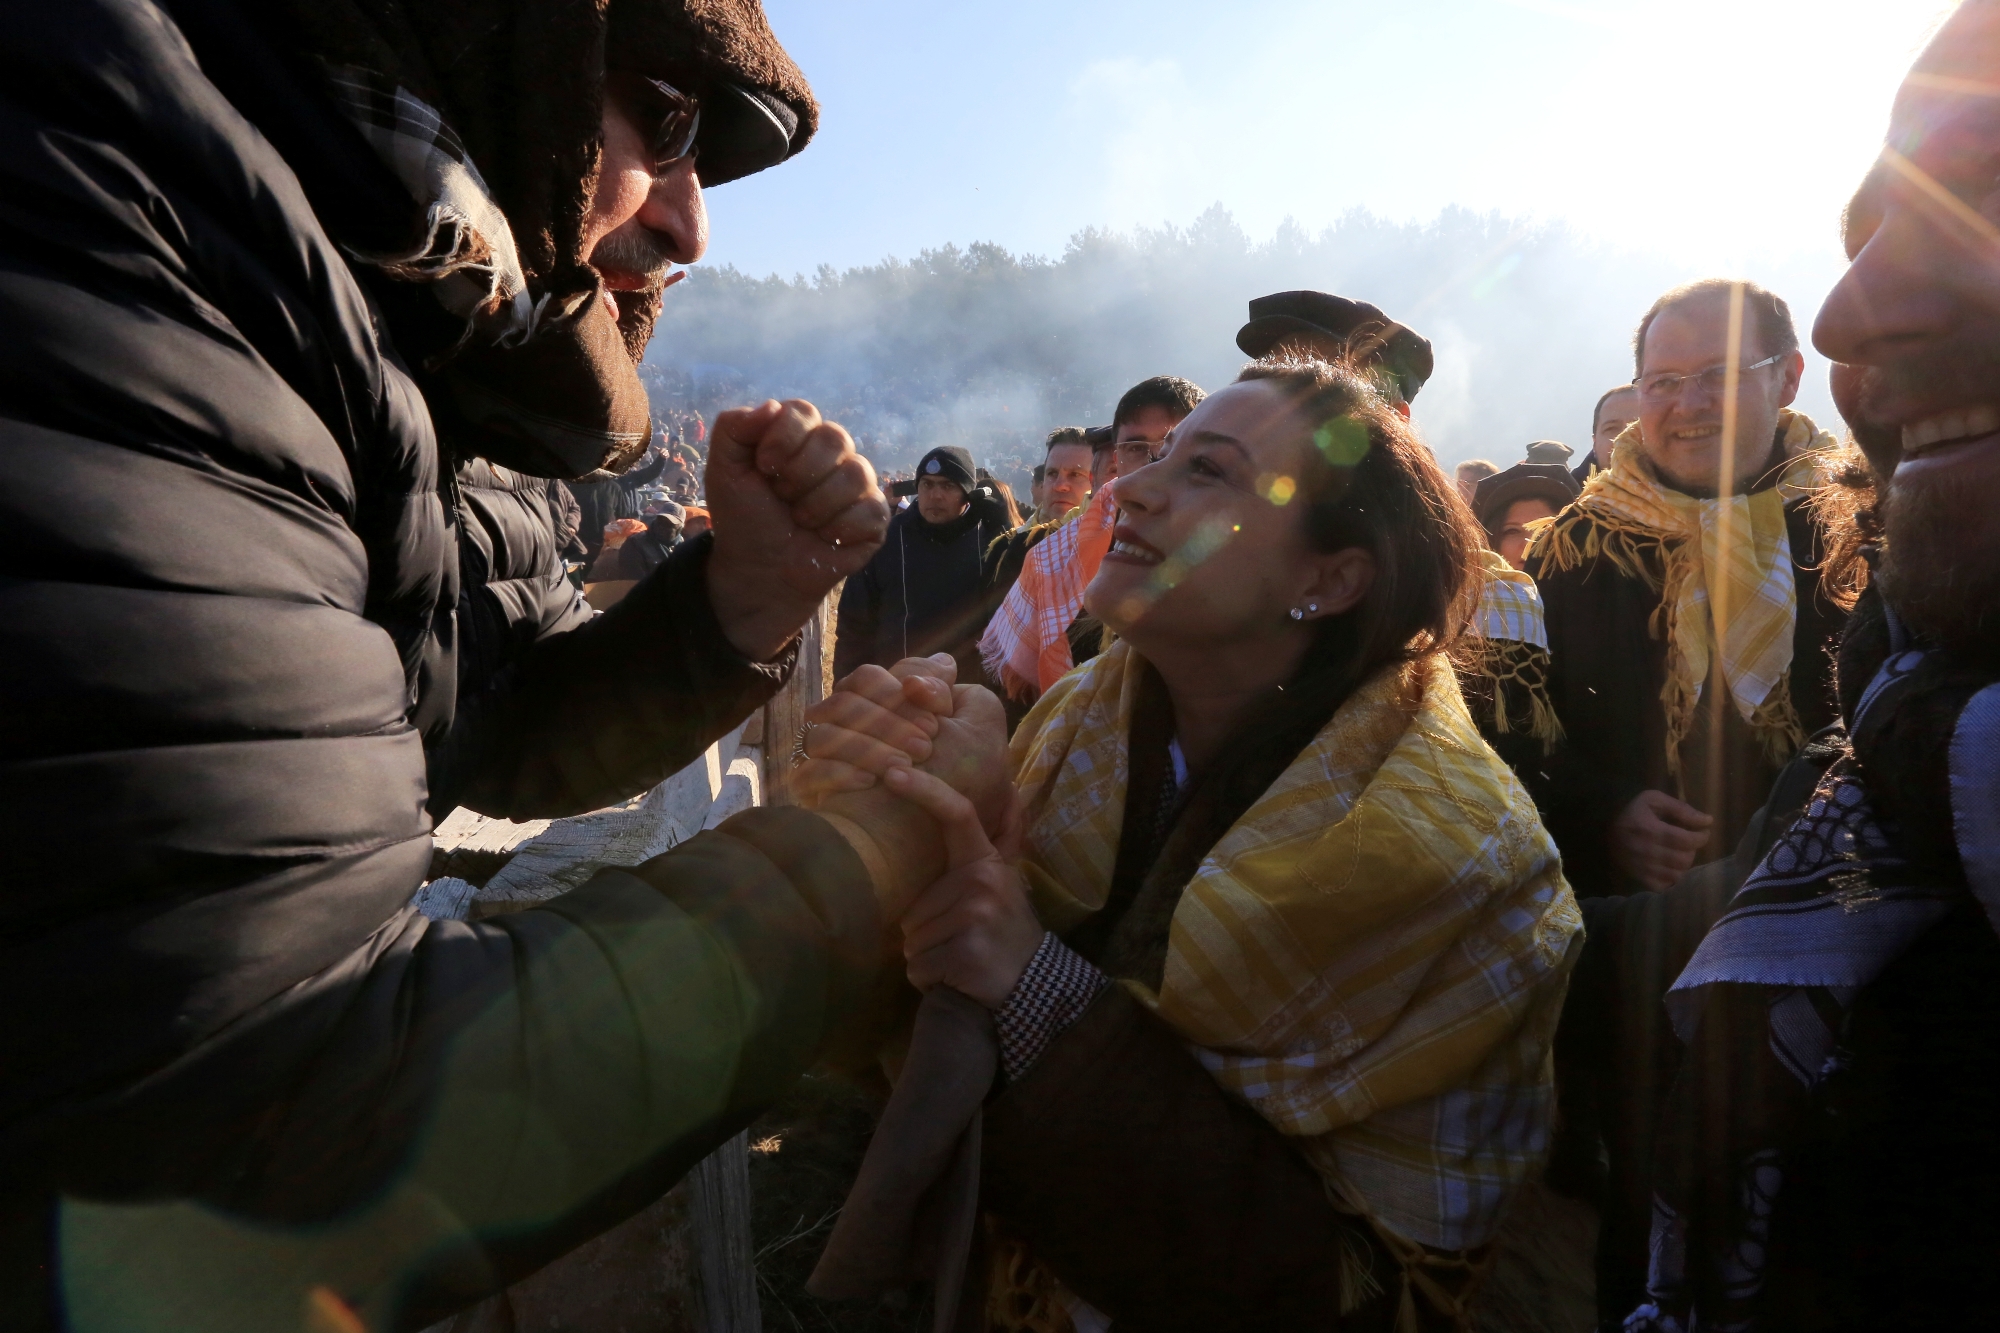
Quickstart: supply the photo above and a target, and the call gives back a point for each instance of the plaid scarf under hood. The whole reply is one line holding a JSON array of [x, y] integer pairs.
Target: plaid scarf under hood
[[488, 113]]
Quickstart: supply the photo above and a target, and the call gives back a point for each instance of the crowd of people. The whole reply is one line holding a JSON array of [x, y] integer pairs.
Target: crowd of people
[[1258, 865]]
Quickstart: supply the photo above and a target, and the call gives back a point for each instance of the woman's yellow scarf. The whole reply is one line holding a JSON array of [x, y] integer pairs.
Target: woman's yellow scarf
[[1373, 957], [1723, 568]]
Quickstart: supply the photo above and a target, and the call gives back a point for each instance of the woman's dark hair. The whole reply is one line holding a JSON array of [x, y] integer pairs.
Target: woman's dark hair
[[1370, 482], [1007, 501]]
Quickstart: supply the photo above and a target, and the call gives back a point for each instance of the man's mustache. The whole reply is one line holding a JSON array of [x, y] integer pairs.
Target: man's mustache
[[634, 250]]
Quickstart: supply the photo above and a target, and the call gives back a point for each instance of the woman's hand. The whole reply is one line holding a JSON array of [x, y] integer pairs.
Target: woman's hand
[[873, 720], [974, 929]]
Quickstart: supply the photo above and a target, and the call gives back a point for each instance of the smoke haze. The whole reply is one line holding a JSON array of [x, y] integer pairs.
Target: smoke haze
[[990, 350]]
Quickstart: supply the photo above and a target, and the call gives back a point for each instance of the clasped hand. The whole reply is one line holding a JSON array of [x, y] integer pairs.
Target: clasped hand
[[915, 734]]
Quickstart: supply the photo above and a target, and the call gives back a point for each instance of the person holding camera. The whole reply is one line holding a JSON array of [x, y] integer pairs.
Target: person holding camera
[[921, 594]]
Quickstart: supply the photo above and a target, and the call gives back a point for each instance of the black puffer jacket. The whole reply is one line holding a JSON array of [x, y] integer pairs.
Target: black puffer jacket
[[249, 627]]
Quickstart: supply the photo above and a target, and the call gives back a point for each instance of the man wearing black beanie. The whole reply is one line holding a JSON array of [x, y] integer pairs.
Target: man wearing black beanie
[[921, 593]]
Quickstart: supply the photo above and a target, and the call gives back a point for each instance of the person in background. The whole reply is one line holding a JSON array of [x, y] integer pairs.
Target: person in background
[[921, 593], [1103, 455], [1035, 491], [1467, 476], [1340, 331], [1617, 409], [634, 548], [1040, 629], [1508, 502], [1062, 485], [1009, 511], [1067, 468], [1688, 631]]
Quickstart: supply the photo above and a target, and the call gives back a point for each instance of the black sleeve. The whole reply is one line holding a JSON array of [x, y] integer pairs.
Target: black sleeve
[[607, 709], [857, 620], [1156, 1196], [463, 1102], [1578, 798]]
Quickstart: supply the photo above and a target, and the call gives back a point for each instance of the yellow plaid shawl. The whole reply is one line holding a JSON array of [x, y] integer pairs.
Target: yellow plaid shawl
[[1734, 587], [1374, 956]]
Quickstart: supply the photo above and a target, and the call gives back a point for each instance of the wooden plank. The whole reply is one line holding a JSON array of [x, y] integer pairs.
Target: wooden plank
[[812, 681], [724, 1248]]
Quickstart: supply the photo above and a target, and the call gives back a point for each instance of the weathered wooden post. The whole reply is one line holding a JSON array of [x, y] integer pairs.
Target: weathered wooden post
[[785, 714]]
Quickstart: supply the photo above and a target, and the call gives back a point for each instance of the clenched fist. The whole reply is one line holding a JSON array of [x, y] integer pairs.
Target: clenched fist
[[795, 510]]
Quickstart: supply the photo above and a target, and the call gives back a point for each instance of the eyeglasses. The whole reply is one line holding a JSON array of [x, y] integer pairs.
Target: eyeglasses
[[1664, 388], [675, 115], [1137, 453]]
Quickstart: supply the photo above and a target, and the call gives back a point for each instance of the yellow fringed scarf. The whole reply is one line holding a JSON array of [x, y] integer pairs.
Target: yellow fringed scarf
[[1512, 645], [1723, 568], [1373, 956]]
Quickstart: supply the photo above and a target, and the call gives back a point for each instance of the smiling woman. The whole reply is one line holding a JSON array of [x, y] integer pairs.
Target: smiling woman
[[1266, 812]]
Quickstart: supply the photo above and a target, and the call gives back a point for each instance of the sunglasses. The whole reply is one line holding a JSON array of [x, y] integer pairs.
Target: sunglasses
[[668, 117]]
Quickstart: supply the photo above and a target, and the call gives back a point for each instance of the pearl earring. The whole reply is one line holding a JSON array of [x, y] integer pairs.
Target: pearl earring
[[1298, 614], [1313, 607]]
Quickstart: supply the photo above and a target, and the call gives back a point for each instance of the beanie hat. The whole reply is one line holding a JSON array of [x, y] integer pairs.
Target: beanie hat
[[951, 463]]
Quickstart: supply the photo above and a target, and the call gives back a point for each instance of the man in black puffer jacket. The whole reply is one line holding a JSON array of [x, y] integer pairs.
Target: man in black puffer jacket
[[305, 301]]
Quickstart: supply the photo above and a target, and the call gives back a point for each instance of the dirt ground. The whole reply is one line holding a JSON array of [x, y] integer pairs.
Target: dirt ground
[[803, 1153]]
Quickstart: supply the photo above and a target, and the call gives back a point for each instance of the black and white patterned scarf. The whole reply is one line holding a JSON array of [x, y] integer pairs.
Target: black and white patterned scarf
[[1762, 1003]]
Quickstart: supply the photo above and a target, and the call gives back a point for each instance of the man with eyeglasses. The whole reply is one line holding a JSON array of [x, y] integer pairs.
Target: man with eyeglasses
[[306, 300], [1687, 628]]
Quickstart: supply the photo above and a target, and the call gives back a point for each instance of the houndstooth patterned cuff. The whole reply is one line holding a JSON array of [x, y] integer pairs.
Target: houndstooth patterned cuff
[[1052, 993]]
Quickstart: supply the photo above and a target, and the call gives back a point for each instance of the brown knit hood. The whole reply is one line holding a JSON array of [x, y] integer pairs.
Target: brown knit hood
[[544, 374]]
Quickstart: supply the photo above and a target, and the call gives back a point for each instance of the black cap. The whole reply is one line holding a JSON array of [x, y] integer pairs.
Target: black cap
[[1549, 451], [1100, 438], [950, 462], [1524, 481], [1285, 315]]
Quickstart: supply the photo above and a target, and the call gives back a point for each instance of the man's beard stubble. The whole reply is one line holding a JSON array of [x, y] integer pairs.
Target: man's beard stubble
[[1940, 561], [1940, 566]]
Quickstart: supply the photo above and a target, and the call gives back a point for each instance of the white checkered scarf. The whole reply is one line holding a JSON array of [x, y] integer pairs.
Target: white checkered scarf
[[1026, 646]]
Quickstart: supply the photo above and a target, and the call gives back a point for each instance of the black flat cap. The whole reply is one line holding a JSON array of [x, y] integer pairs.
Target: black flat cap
[[1362, 327]]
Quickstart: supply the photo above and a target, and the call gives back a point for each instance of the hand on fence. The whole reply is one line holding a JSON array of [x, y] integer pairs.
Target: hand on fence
[[795, 510]]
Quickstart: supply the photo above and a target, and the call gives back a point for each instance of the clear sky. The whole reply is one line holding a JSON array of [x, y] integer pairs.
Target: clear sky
[[1716, 132]]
